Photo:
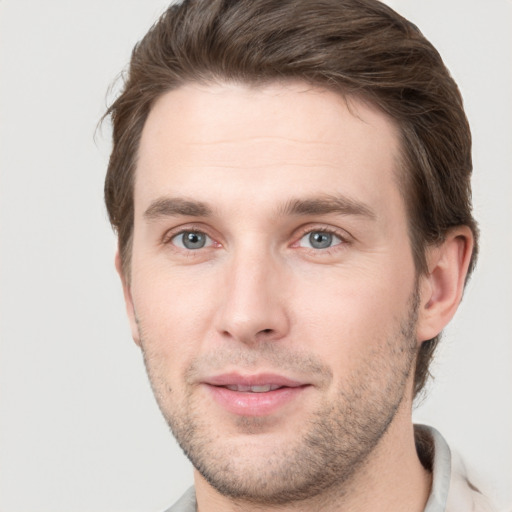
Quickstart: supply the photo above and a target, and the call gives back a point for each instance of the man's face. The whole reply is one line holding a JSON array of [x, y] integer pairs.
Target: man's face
[[273, 290]]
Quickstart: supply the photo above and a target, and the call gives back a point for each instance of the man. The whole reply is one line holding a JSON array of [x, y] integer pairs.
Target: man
[[290, 186]]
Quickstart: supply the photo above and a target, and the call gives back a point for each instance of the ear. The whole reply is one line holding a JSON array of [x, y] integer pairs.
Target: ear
[[130, 310], [441, 289]]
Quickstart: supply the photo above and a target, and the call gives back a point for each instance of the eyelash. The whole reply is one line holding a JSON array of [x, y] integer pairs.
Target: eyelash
[[173, 233], [342, 235]]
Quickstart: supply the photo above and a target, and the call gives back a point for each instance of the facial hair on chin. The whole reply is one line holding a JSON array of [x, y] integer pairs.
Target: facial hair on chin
[[336, 441]]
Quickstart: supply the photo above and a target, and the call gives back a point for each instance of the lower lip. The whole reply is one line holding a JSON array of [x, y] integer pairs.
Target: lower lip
[[254, 404]]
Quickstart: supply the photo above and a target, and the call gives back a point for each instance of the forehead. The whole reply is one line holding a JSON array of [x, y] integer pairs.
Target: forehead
[[278, 139]]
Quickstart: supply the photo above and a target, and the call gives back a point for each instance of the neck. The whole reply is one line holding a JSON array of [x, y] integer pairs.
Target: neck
[[392, 480]]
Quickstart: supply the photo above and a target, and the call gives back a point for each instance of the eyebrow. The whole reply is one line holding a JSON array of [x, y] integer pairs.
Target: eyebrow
[[176, 206], [327, 204]]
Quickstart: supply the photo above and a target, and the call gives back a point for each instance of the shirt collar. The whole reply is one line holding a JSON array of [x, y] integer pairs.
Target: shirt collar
[[435, 455]]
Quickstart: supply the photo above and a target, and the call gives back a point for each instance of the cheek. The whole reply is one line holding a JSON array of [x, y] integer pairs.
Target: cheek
[[352, 292], [350, 314], [173, 312]]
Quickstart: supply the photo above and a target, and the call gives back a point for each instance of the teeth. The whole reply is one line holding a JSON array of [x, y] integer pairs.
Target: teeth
[[253, 389], [260, 389]]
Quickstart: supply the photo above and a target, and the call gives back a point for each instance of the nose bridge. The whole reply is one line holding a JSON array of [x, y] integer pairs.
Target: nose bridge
[[253, 306]]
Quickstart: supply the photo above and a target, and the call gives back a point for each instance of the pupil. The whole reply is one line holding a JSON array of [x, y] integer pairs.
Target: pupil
[[320, 240], [194, 240]]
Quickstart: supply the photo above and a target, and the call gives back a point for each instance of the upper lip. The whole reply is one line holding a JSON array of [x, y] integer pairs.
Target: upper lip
[[244, 380]]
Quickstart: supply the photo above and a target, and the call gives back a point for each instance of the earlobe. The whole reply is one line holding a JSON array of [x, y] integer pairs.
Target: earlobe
[[130, 310], [441, 289]]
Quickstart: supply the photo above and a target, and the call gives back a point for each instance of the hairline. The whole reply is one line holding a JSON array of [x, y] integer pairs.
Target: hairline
[[401, 171]]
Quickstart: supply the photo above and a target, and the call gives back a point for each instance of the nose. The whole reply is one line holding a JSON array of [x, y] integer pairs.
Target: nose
[[254, 304]]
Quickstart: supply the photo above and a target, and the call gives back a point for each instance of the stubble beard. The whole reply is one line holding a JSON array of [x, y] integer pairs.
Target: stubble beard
[[338, 440]]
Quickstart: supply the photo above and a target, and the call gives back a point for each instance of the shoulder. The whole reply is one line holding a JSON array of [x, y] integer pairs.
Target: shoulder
[[187, 503], [465, 492], [454, 488]]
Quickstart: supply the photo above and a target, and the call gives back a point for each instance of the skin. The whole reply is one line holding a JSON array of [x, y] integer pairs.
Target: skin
[[256, 171]]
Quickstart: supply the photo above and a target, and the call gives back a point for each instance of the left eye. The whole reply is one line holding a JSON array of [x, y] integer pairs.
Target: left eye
[[319, 240], [191, 240]]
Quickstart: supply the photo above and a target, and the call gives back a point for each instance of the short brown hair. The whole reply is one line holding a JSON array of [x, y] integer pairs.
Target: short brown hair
[[356, 47]]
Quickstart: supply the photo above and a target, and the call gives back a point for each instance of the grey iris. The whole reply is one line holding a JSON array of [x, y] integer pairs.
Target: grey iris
[[320, 240], [194, 240]]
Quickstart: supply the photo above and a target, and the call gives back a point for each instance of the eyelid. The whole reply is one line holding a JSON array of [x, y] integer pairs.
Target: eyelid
[[343, 235], [332, 251], [175, 240], [170, 234], [334, 239]]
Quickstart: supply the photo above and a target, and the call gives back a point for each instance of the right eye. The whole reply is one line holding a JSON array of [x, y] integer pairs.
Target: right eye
[[191, 240]]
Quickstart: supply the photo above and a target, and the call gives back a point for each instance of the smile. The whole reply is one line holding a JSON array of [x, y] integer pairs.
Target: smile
[[254, 395], [253, 389]]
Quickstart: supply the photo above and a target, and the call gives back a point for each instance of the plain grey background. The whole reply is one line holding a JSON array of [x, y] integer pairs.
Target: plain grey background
[[79, 429]]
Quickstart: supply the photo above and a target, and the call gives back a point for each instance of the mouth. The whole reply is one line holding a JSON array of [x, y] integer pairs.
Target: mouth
[[253, 389], [256, 395]]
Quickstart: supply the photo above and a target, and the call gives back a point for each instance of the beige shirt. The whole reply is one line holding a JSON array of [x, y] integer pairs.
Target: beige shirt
[[452, 491]]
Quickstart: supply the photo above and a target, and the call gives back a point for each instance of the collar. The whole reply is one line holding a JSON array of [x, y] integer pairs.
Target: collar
[[435, 455]]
